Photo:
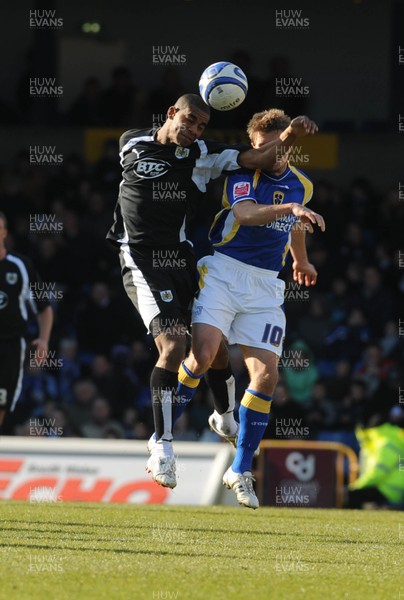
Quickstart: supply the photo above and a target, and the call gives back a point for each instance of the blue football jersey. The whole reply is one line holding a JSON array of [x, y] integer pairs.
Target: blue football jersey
[[264, 246]]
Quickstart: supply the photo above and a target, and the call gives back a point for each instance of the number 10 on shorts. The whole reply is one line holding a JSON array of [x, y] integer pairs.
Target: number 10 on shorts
[[272, 334]]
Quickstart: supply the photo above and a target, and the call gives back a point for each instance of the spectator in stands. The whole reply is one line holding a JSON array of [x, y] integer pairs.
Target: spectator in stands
[[70, 371], [79, 410], [390, 342], [169, 89], [355, 245], [118, 102], [278, 90], [314, 326], [118, 386], [86, 110], [375, 300], [338, 300], [183, 430], [108, 171], [300, 372], [285, 414], [349, 338], [100, 321], [101, 424], [338, 382], [372, 368], [323, 410]]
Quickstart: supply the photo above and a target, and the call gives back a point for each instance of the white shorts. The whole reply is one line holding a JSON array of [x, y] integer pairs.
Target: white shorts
[[244, 302]]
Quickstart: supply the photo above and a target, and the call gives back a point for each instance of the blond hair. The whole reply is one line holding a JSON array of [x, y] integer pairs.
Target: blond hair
[[273, 119]]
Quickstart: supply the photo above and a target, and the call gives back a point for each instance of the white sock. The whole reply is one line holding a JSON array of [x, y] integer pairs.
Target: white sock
[[226, 422], [163, 448]]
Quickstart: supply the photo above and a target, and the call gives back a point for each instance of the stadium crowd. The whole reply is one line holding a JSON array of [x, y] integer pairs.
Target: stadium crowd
[[343, 357]]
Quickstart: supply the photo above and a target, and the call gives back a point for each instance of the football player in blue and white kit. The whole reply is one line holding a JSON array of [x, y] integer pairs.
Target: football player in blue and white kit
[[264, 215], [149, 226]]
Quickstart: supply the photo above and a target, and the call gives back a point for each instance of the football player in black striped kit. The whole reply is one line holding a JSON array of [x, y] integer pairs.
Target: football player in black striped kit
[[165, 173], [17, 297]]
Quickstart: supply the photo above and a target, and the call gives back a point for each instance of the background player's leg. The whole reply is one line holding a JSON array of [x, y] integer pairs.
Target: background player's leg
[[12, 353], [221, 383]]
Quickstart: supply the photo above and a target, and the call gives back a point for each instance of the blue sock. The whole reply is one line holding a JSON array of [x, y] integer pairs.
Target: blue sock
[[187, 386], [254, 416]]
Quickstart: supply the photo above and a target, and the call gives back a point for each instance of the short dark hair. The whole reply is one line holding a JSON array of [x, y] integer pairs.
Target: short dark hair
[[4, 219], [189, 100]]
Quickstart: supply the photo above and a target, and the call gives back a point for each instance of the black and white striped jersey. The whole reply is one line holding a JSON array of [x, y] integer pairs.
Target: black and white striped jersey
[[20, 291], [161, 184]]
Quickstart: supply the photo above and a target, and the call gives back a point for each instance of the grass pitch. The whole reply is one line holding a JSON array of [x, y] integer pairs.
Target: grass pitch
[[133, 552]]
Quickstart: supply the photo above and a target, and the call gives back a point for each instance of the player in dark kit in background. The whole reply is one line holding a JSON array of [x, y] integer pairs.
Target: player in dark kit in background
[[165, 173], [18, 281]]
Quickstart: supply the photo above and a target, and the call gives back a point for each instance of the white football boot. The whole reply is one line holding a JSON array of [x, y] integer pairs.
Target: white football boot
[[161, 464], [242, 485]]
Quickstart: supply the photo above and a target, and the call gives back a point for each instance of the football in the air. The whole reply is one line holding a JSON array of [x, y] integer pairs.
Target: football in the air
[[223, 86]]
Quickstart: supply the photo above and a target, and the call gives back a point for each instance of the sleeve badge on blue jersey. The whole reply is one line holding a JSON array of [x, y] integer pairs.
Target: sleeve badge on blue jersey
[[242, 188]]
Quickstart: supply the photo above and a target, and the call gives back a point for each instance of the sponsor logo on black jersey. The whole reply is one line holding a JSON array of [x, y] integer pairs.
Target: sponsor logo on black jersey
[[3, 300], [150, 168]]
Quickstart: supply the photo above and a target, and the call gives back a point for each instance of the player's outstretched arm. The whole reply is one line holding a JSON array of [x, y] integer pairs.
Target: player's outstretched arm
[[249, 213], [266, 156]]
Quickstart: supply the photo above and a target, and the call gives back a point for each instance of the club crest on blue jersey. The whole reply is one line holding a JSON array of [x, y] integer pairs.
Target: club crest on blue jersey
[[166, 295], [181, 152], [11, 278], [278, 197]]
